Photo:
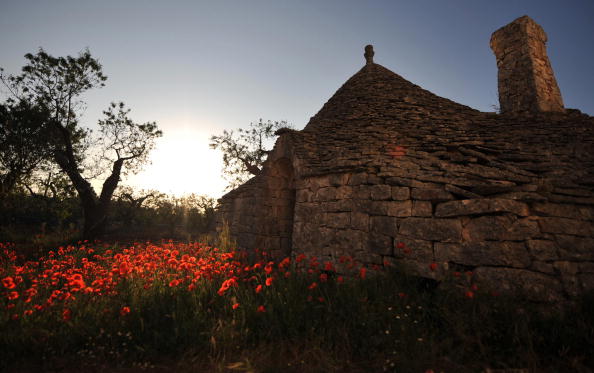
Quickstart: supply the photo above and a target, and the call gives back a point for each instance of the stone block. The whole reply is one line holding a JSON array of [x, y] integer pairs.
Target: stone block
[[543, 249], [387, 208], [566, 226], [344, 192], [569, 279], [446, 230], [421, 208], [326, 194], [491, 253], [426, 194], [543, 267], [380, 244], [343, 205], [400, 193], [380, 192], [351, 240], [535, 286], [414, 249], [586, 281], [338, 179], [399, 208], [586, 267], [359, 221], [337, 219], [303, 195], [362, 192], [385, 225], [357, 179], [500, 228], [556, 209], [480, 206]]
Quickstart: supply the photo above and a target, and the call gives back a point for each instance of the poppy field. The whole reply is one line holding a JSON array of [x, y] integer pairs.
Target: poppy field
[[144, 306]]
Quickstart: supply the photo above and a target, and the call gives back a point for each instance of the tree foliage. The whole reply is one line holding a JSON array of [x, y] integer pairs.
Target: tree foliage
[[56, 84], [245, 151], [23, 142]]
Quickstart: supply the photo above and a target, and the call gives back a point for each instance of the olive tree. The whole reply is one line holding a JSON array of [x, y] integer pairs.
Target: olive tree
[[245, 151], [56, 84]]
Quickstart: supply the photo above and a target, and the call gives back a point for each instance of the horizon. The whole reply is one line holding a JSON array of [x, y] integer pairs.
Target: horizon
[[200, 68]]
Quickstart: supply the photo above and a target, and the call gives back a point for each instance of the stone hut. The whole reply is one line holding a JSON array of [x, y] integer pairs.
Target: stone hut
[[509, 196]]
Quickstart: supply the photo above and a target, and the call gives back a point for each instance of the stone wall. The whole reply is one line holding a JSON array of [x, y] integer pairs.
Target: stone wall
[[510, 242], [525, 76], [259, 213]]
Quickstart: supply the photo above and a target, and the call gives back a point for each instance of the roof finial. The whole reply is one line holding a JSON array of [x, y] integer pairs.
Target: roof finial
[[369, 54]]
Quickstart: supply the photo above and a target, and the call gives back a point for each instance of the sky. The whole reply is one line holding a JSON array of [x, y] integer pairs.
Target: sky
[[200, 67]]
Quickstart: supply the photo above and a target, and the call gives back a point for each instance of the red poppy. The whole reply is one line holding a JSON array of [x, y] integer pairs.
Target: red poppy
[[402, 295], [400, 245], [469, 294], [235, 306], [66, 314], [8, 282], [363, 273], [323, 277], [433, 266], [269, 281], [258, 289], [313, 285], [261, 309], [124, 311], [13, 295], [340, 279], [328, 267]]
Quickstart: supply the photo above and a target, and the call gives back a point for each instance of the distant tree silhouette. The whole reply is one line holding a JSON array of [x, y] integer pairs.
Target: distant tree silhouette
[[55, 84], [244, 152]]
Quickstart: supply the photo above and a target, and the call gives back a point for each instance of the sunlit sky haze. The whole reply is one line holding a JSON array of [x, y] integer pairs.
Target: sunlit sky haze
[[199, 67]]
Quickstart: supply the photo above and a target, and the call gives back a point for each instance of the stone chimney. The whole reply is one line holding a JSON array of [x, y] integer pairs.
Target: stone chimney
[[525, 77]]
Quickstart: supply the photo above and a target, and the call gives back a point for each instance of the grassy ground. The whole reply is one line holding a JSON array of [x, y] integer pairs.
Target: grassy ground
[[194, 308]]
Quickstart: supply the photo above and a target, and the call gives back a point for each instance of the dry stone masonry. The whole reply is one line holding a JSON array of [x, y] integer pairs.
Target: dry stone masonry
[[509, 197], [525, 75]]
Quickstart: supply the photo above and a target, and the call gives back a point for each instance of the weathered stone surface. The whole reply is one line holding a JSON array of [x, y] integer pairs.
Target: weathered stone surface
[[337, 219], [350, 240], [543, 249], [358, 179], [563, 211], [566, 226], [575, 248], [480, 206], [360, 221], [426, 194], [500, 228], [543, 267], [445, 230], [400, 193], [586, 281], [568, 271], [491, 253], [380, 244], [325, 194], [526, 80], [344, 192], [422, 208], [385, 161], [388, 208], [380, 192], [534, 286], [419, 250], [386, 225]]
